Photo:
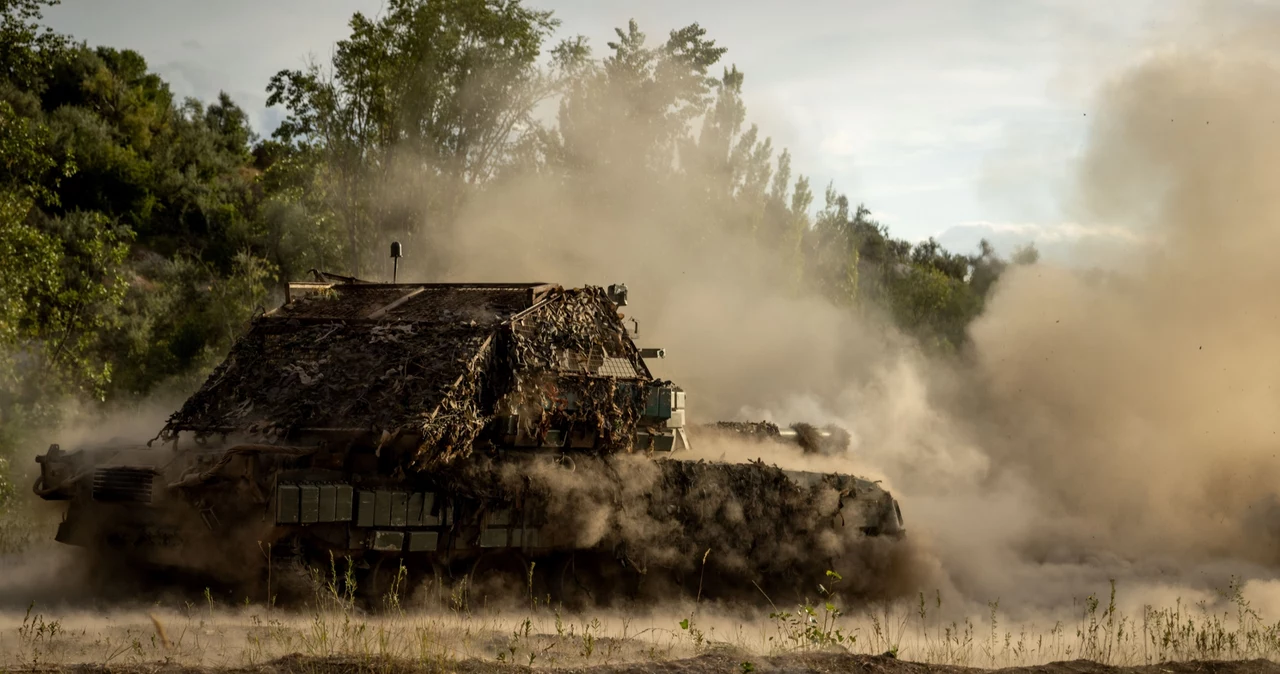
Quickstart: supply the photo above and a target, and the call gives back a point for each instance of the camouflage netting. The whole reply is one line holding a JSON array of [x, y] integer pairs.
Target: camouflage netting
[[450, 432], [607, 408], [576, 349], [437, 362], [330, 376], [762, 530], [580, 322], [320, 363], [573, 347]]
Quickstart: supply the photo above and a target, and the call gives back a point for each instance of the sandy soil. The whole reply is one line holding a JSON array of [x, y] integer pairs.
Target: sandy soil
[[713, 662]]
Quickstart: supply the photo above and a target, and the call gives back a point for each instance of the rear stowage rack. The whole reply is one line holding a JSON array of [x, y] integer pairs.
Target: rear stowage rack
[[123, 484]]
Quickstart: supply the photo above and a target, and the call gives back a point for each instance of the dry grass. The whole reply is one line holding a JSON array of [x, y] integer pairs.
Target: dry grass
[[230, 636], [20, 527], [1229, 629]]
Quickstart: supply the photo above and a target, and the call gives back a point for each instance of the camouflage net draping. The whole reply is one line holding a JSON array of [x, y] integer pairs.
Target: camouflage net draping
[[330, 375], [579, 323], [439, 366], [451, 430], [526, 368]]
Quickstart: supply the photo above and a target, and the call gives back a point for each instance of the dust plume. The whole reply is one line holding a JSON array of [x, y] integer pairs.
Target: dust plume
[[36, 568], [1105, 424], [1118, 423], [728, 533], [1140, 402], [742, 336], [724, 306], [721, 296]]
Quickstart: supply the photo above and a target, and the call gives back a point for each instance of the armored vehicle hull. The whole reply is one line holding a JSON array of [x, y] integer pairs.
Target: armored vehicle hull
[[466, 434]]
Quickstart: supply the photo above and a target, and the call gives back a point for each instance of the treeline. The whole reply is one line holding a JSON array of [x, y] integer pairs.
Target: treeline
[[140, 232]]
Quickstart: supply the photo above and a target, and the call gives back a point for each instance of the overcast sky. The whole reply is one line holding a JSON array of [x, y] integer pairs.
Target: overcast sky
[[950, 118]]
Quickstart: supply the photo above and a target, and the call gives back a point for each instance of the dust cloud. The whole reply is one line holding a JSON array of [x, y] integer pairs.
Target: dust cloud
[[1137, 404], [1103, 424], [722, 532], [49, 573]]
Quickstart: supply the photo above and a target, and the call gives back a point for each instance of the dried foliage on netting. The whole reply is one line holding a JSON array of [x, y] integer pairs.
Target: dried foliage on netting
[[547, 367], [738, 507], [566, 356], [764, 527], [577, 322], [605, 407], [331, 375], [437, 366], [451, 430]]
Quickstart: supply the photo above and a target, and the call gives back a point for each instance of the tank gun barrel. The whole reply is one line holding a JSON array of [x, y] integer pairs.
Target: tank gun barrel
[[792, 435], [811, 439]]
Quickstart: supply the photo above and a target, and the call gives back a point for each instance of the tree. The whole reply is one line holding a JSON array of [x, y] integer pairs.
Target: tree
[[101, 174], [1025, 254], [631, 112], [146, 230], [987, 268], [61, 279], [26, 57], [421, 106]]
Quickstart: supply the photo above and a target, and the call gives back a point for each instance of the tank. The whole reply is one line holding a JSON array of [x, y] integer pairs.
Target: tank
[[468, 437]]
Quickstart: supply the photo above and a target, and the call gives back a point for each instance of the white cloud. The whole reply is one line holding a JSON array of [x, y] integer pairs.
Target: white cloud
[[907, 189], [1066, 243], [843, 143], [1063, 231]]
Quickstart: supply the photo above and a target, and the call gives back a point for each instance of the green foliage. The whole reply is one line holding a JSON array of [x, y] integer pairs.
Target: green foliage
[[183, 318], [633, 107], [931, 293], [31, 256], [27, 169], [24, 60], [814, 628], [130, 225], [61, 279], [86, 290]]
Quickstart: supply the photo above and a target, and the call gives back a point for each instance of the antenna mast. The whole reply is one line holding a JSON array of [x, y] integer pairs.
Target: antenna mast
[[395, 259]]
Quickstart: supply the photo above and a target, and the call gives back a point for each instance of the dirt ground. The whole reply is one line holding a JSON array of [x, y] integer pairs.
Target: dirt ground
[[713, 662]]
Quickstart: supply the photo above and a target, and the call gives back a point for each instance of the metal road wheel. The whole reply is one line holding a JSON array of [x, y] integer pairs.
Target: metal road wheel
[[498, 576], [589, 578], [387, 583], [435, 586]]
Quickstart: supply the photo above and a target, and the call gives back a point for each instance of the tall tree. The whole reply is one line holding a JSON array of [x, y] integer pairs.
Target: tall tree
[[420, 107], [27, 56], [634, 108]]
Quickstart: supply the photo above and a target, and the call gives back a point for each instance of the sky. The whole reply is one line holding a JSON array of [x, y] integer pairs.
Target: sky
[[956, 119]]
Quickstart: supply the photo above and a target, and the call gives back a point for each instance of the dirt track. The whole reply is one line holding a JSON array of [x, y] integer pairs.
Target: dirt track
[[718, 662]]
